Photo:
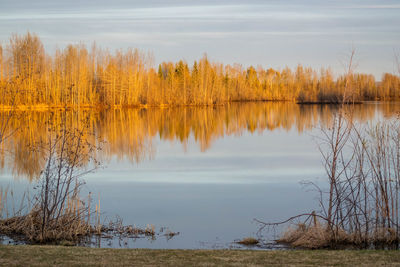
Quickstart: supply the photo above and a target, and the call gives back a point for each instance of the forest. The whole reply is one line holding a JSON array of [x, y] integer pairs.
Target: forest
[[80, 77]]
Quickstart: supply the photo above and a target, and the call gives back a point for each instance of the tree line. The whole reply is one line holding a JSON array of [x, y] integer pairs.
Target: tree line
[[77, 77]]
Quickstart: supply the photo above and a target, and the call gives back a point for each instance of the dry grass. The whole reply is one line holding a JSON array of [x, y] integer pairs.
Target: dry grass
[[76, 256], [318, 236], [68, 227], [248, 241], [305, 236], [73, 226]]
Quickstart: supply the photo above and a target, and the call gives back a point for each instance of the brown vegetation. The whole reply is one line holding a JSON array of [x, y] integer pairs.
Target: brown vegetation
[[81, 77], [248, 241], [57, 213], [361, 206]]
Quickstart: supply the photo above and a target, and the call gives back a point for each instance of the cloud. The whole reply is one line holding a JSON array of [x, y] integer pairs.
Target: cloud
[[226, 12], [372, 6], [183, 29]]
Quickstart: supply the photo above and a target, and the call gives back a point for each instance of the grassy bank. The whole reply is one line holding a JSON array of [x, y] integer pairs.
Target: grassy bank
[[74, 256]]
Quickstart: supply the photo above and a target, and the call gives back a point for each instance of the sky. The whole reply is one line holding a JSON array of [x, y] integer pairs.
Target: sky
[[260, 33]]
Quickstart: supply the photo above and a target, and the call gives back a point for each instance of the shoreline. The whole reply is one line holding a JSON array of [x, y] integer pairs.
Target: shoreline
[[162, 106]]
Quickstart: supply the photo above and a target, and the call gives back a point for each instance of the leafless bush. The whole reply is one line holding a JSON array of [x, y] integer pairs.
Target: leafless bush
[[361, 204], [58, 212]]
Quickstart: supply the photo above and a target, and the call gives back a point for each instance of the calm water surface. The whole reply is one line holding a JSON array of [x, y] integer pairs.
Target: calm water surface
[[203, 172]]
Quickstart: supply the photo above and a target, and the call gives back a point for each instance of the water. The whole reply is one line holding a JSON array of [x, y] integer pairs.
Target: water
[[203, 172]]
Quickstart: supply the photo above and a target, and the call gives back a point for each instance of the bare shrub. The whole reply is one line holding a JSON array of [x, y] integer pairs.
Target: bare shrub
[[58, 212], [361, 204]]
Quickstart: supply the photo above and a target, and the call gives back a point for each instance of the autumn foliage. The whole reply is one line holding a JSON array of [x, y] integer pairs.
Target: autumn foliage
[[77, 76]]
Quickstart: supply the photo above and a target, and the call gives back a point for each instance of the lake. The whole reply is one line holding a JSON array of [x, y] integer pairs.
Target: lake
[[205, 172]]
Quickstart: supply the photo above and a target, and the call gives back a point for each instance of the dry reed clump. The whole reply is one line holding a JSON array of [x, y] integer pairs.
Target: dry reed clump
[[313, 236], [319, 236], [386, 236], [71, 225], [66, 228], [76, 224], [248, 241]]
